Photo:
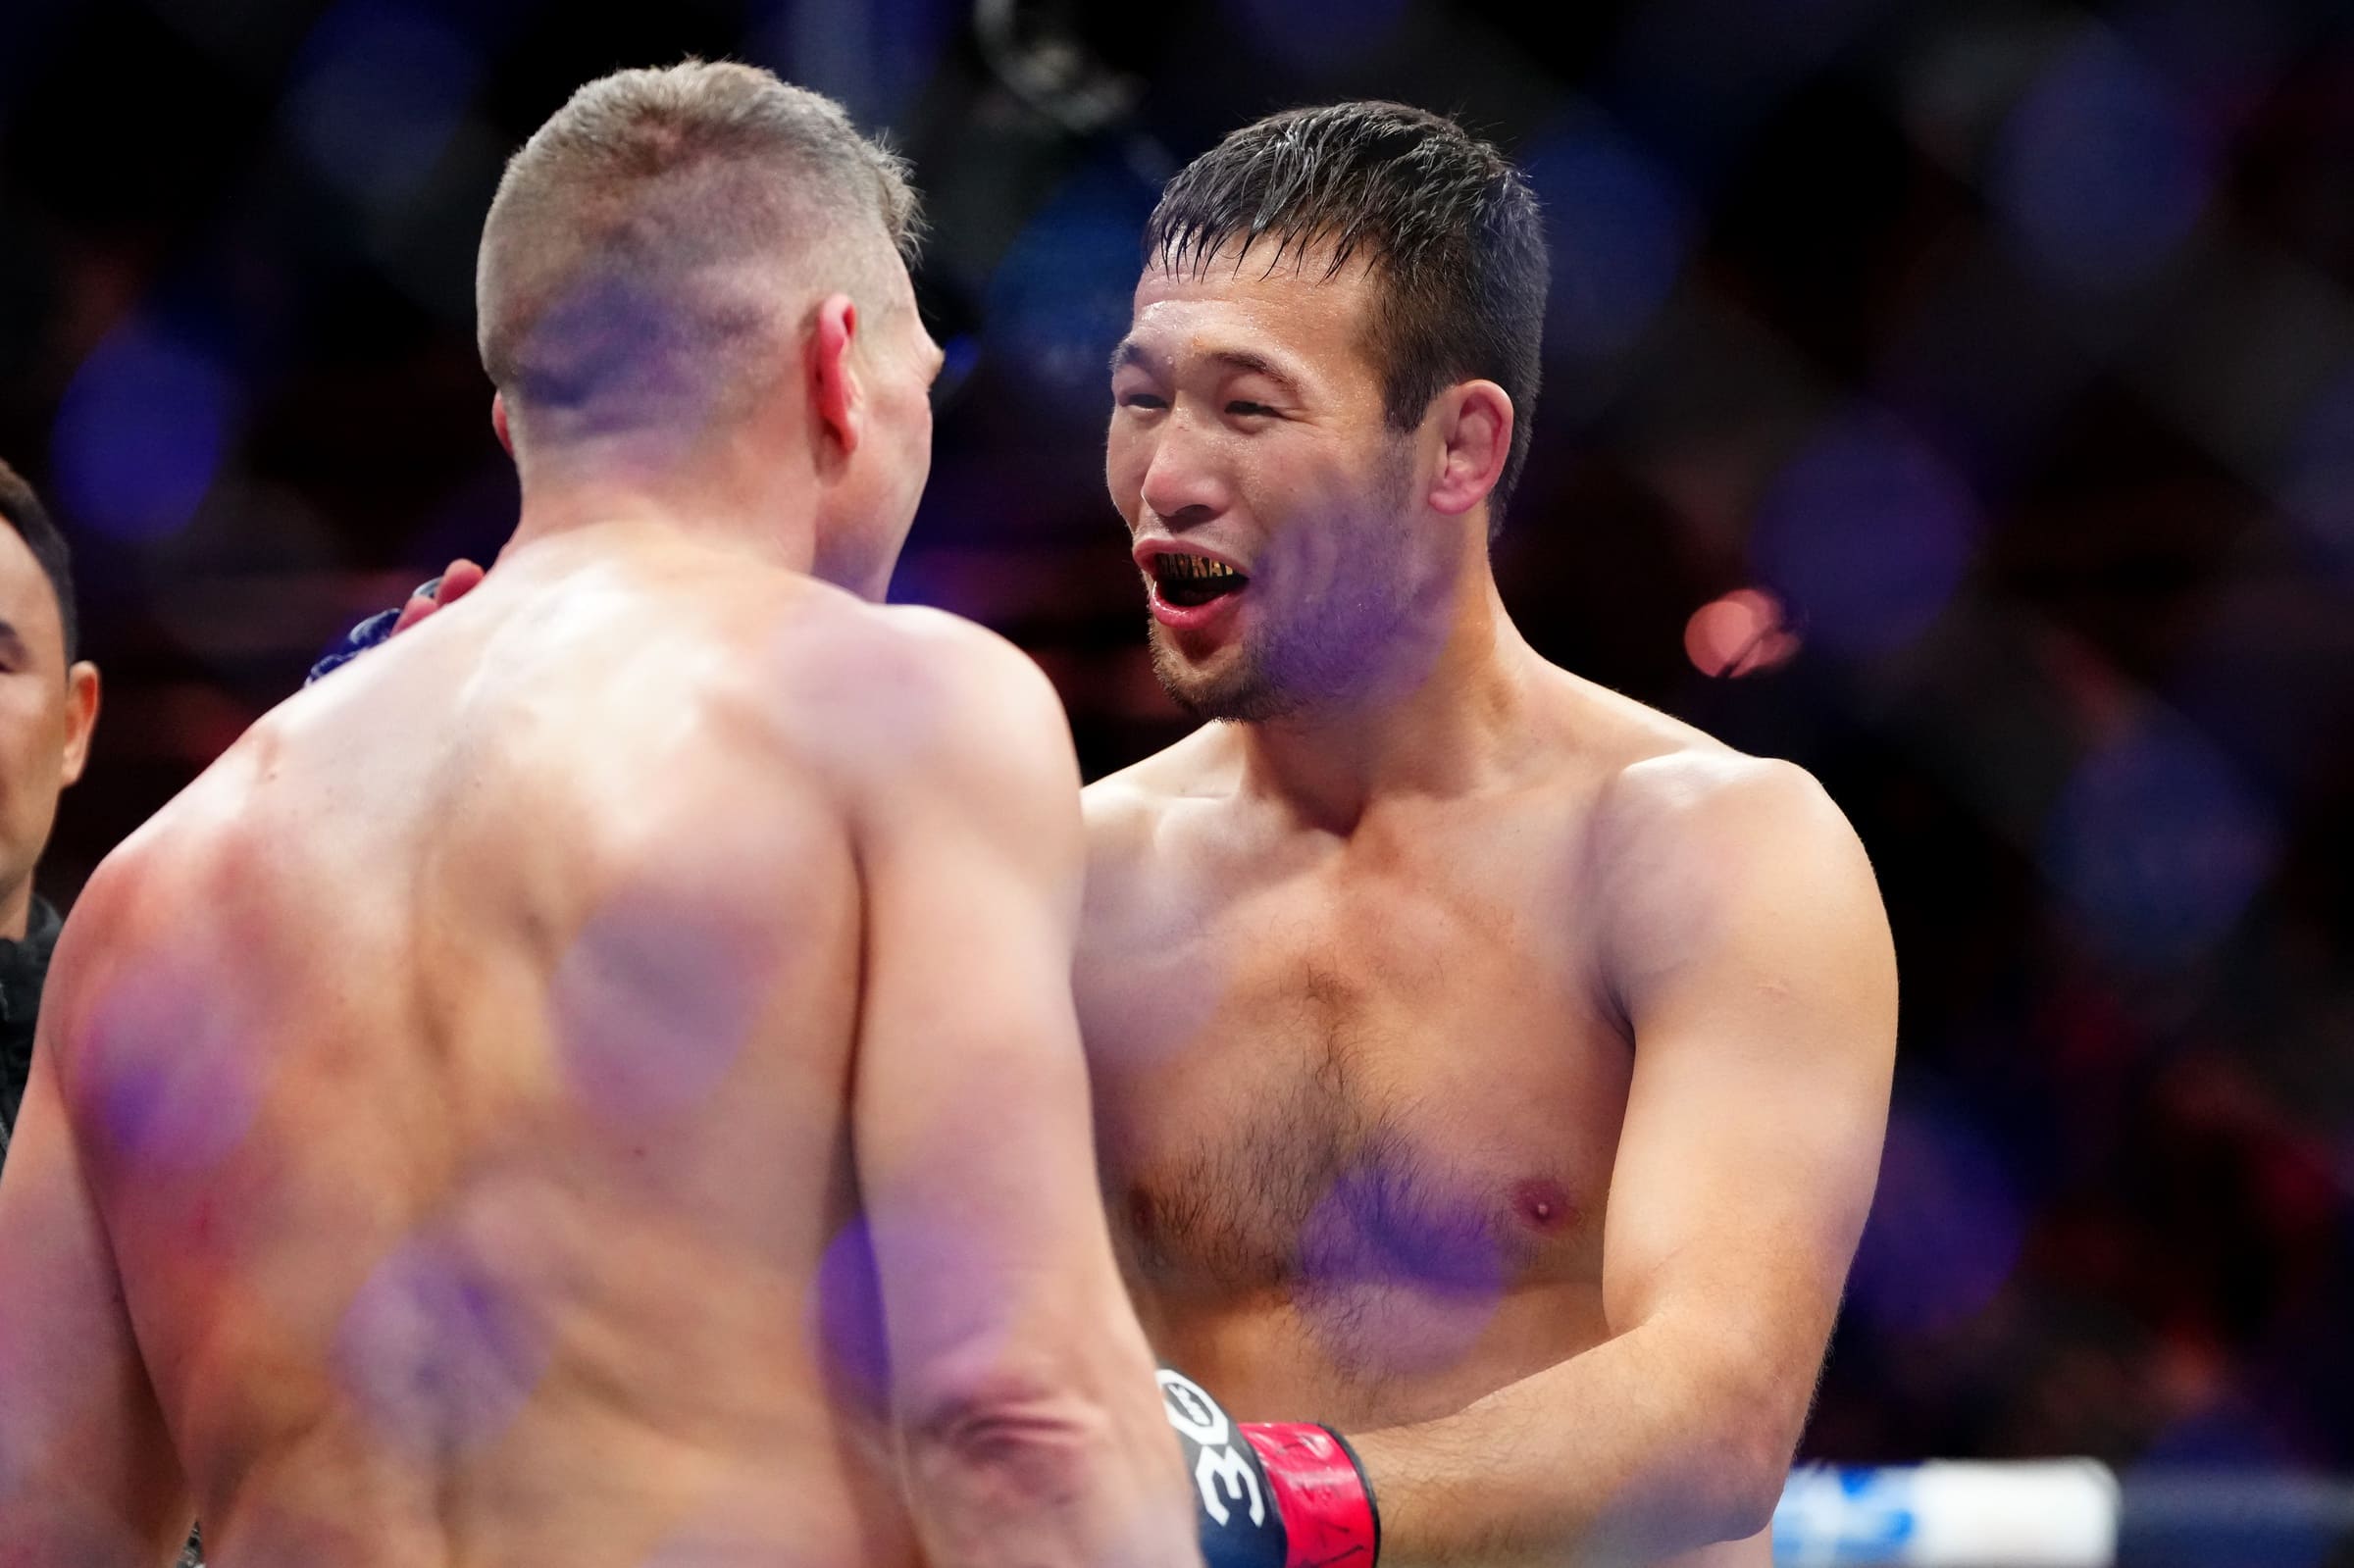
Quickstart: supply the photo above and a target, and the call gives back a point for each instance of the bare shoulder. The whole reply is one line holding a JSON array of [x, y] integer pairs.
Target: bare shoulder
[[129, 922], [875, 690], [1715, 795], [101, 928], [920, 721], [954, 663], [1657, 792], [1123, 807], [1705, 849]]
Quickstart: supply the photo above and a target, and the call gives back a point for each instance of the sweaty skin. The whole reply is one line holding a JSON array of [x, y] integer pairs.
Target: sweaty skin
[[1484, 1063], [484, 1119]]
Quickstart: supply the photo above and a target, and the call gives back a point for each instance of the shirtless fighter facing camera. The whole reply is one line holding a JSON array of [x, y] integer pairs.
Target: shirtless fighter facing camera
[[1484, 1064]]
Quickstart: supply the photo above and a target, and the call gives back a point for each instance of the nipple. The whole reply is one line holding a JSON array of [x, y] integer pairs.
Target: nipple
[[1544, 1204]]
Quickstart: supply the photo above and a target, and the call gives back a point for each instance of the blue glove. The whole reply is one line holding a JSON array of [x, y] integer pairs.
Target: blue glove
[[367, 635]]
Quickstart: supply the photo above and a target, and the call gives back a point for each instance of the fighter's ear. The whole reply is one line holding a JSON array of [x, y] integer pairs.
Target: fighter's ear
[[81, 718], [835, 396], [498, 421], [1475, 427]]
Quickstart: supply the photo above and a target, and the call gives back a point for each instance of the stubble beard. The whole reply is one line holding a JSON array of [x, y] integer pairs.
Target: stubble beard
[[1241, 693], [1318, 654]]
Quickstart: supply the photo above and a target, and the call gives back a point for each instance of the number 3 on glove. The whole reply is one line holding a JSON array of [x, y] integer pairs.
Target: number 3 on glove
[[1269, 1494]]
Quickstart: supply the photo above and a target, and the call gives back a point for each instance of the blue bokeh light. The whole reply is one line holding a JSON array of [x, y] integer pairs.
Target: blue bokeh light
[[1320, 37], [379, 90], [1059, 299], [960, 356], [140, 432], [873, 57], [1866, 533], [2101, 168], [1618, 227], [2157, 843], [1394, 1275], [846, 1315], [1945, 1230], [2315, 481], [438, 1350]]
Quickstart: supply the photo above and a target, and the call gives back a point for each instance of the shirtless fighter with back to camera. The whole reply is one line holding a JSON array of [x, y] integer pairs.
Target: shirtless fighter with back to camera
[[1484, 1063], [443, 1108]]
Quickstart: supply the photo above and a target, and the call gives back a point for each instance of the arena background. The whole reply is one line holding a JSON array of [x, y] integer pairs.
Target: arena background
[[2004, 350]]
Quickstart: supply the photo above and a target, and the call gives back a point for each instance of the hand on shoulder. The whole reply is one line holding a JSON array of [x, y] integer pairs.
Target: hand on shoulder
[[462, 578]]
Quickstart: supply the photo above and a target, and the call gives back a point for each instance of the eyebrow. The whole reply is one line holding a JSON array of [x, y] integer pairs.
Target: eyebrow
[[12, 641], [1130, 352]]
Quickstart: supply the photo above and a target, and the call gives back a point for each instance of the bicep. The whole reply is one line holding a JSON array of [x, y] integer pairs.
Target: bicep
[[87, 1471], [1763, 1024]]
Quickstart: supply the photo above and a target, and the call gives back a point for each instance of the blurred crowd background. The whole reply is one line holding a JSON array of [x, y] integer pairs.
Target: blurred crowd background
[[1955, 398]]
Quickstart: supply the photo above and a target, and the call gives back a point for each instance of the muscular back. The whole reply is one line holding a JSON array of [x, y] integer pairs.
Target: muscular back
[[461, 1067]]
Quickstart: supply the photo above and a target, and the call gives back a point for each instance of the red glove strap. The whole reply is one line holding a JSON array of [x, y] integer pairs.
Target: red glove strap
[[1327, 1513]]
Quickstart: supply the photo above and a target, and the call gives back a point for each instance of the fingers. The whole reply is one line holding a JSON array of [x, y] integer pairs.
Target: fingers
[[460, 580], [421, 604]]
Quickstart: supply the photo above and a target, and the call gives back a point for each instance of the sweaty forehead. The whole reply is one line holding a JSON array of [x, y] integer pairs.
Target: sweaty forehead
[[1268, 274], [1307, 318]]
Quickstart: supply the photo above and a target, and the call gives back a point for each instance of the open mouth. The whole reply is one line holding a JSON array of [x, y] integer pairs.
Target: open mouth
[[1187, 581]]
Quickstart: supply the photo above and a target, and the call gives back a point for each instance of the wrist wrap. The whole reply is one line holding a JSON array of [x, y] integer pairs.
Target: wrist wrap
[[1270, 1494], [1320, 1491]]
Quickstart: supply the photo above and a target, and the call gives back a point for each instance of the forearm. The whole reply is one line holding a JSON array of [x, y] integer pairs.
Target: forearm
[[87, 1474], [1650, 1444], [55, 1522], [1048, 1478]]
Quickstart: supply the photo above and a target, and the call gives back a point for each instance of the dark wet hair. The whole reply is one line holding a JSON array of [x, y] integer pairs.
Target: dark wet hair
[[1450, 224], [23, 512]]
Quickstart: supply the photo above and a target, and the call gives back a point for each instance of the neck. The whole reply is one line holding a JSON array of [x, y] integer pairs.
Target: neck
[[720, 494], [16, 910], [1446, 729]]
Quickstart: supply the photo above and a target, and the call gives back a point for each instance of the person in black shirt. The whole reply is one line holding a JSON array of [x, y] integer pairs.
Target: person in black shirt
[[48, 706]]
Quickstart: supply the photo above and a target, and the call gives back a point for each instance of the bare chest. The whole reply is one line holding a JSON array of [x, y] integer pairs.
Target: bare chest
[[1352, 1078]]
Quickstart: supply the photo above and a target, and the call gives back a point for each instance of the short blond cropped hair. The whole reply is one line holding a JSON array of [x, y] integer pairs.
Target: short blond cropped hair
[[647, 243]]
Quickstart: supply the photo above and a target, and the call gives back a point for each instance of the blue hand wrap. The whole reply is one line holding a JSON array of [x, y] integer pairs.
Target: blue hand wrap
[[367, 635]]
